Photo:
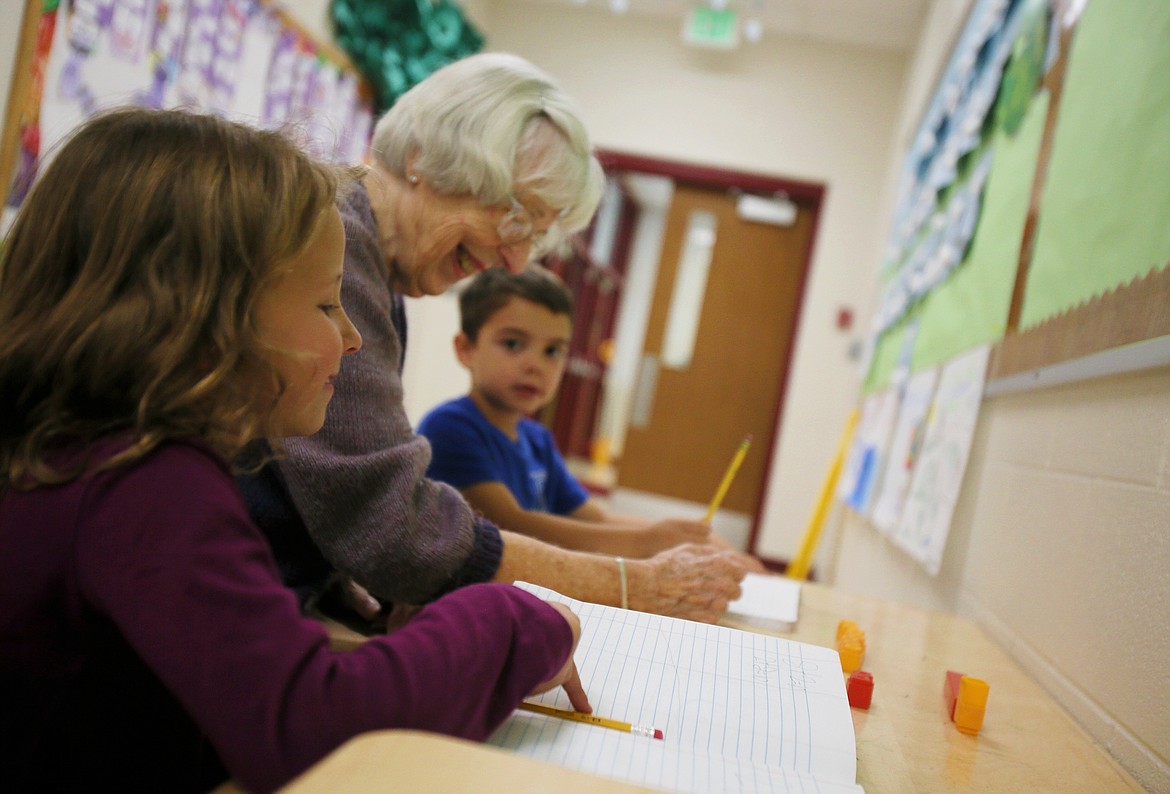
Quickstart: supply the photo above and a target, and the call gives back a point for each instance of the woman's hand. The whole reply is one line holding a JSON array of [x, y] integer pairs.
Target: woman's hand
[[750, 563], [693, 581], [568, 676]]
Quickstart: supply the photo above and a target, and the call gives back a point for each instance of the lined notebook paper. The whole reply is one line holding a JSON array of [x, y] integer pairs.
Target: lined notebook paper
[[740, 712]]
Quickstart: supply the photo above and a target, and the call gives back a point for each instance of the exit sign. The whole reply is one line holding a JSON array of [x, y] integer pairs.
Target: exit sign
[[711, 27]]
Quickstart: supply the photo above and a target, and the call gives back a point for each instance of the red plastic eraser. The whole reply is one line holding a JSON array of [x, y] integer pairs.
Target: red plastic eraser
[[859, 688], [657, 733], [951, 691]]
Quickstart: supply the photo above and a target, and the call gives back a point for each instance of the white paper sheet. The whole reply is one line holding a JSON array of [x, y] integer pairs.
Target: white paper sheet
[[768, 599]]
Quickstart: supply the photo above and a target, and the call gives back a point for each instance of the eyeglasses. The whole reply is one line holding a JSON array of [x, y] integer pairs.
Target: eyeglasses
[[518, 226]]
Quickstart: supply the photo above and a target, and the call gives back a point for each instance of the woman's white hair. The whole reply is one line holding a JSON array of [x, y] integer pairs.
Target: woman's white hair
[[490, 125]]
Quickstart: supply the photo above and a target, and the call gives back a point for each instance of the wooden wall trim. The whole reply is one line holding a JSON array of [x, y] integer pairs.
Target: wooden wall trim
[[1133, 312]]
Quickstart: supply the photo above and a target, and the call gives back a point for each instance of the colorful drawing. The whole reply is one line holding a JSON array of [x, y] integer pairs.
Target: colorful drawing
[[942, 460]]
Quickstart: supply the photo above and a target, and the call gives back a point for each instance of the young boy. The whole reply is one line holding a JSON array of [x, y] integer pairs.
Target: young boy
[[514, 342]]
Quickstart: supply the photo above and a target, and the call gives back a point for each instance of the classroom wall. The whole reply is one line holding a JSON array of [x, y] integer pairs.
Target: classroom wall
[[1060, 549], [1060, 543]]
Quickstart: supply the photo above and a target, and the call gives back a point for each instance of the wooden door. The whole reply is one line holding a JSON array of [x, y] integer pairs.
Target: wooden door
[[681, 440]]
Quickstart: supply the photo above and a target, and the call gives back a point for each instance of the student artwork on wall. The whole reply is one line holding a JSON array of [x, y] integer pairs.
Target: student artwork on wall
[[868, 452], [942, 461], [1044, 235], [241, 59], [951, 262], [905, 445]]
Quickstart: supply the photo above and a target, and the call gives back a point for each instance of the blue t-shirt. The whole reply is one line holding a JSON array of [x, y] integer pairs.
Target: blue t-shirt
[[468, 450]]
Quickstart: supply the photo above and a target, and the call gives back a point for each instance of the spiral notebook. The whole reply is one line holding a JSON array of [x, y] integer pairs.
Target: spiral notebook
[[739, 711]]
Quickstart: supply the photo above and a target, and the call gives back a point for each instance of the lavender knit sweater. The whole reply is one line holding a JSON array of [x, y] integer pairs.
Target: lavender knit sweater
[[358, 483]]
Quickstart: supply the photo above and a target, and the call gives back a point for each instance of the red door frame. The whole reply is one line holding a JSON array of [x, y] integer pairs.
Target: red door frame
[[597, 290]]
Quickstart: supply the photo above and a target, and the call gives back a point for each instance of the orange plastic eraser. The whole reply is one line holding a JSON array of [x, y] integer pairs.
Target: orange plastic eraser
[[850, 645], [971, 704], [852, 655]]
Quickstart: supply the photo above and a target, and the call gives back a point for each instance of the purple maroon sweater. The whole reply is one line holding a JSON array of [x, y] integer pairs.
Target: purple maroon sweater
[[147, 643]]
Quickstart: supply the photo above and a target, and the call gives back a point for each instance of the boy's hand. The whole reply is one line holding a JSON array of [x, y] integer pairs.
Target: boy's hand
[[673, 532], [568, 676]]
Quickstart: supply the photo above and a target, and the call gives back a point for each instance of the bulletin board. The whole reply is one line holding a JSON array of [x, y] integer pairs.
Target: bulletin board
[[241, 59], [1033, 201], [1031, 237]]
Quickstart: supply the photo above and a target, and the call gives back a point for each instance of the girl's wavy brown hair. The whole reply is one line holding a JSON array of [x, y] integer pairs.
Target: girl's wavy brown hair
[[128, 281]]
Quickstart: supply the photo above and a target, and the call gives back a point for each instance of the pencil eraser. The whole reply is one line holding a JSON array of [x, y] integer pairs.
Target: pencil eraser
[[859, 689], [657, 733]]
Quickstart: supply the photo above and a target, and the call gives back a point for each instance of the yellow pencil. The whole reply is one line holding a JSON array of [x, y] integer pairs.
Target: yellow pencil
[[591, 719], [728, 477]]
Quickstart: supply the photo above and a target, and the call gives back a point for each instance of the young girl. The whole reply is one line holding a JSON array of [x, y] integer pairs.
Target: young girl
[[168, 295]]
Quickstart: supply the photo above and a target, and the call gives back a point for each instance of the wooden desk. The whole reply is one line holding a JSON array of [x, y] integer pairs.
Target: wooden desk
[[424, 763], [905, 742]]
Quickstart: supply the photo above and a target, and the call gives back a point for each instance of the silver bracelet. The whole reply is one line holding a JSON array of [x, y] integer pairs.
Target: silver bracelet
[[621, 563]]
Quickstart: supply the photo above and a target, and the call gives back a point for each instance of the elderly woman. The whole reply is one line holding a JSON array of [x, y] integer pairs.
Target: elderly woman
[[484, 164]]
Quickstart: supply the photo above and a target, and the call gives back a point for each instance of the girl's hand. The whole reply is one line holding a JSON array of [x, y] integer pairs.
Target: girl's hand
[[360, 601], [568, 676]]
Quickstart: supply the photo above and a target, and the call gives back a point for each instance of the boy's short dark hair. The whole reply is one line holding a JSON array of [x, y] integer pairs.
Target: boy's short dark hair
[[491, 290]]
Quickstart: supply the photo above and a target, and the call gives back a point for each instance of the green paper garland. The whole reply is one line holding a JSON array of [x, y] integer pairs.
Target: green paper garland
[[397, 43]]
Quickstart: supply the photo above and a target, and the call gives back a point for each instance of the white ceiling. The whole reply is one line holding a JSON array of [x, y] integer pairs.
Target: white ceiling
[[882, 24]]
